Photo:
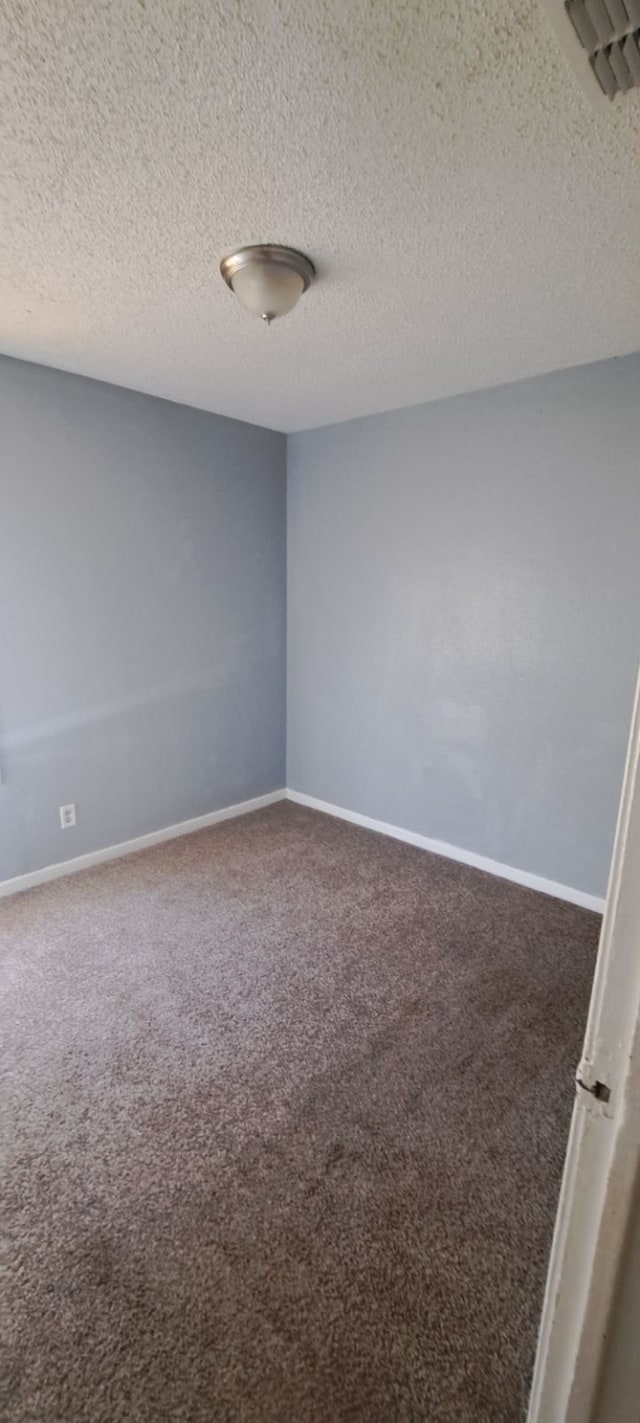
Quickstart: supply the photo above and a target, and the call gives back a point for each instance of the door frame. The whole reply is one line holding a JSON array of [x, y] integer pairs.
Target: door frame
[[602, 1166]]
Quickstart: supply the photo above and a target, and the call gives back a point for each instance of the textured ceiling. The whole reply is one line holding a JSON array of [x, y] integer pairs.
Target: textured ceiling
[[472, 218]]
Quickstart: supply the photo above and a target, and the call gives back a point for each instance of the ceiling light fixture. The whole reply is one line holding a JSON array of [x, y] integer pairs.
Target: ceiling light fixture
[[267, 280]]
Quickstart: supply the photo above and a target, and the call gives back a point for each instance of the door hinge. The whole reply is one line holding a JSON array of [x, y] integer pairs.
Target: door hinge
[[599, 1090]]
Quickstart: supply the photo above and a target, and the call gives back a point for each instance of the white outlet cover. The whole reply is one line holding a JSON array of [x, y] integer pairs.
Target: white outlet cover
[[67, 816]]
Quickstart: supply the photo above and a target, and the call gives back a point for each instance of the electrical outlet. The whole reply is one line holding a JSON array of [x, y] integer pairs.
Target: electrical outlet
[[67, 816]]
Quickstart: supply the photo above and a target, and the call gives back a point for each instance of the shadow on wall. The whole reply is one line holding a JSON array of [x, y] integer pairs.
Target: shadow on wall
[[134, 764]]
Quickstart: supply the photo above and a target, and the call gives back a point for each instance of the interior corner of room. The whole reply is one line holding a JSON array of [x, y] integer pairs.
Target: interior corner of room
[[320, 712], [453, 662], [424, 623]]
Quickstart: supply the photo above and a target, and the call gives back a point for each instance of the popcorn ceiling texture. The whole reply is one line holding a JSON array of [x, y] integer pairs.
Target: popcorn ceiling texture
[[472, 218]]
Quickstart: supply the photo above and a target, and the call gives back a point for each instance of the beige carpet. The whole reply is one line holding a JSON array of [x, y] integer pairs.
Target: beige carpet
[[288, 1105]]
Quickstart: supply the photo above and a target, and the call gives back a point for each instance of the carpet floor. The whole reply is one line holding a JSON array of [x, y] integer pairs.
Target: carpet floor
[[287, 1104]]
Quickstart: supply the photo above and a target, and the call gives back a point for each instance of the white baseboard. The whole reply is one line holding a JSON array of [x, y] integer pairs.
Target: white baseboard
[[142, 842], [453, 852], [229, 812]]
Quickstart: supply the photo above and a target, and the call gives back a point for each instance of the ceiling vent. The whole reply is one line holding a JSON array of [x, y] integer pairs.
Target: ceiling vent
[[601, 38]]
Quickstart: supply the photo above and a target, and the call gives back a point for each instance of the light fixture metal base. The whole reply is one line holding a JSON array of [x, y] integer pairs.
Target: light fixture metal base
[[268, 253]]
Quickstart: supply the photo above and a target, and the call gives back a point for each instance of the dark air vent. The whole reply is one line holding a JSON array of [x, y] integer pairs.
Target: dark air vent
[[609, 30]]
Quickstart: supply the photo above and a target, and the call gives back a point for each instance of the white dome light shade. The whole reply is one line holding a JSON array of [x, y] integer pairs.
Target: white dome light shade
[[267, 291], [267, 280]]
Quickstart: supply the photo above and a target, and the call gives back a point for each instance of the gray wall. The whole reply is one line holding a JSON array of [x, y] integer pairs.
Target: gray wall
[[464, 617], [142, 613]]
